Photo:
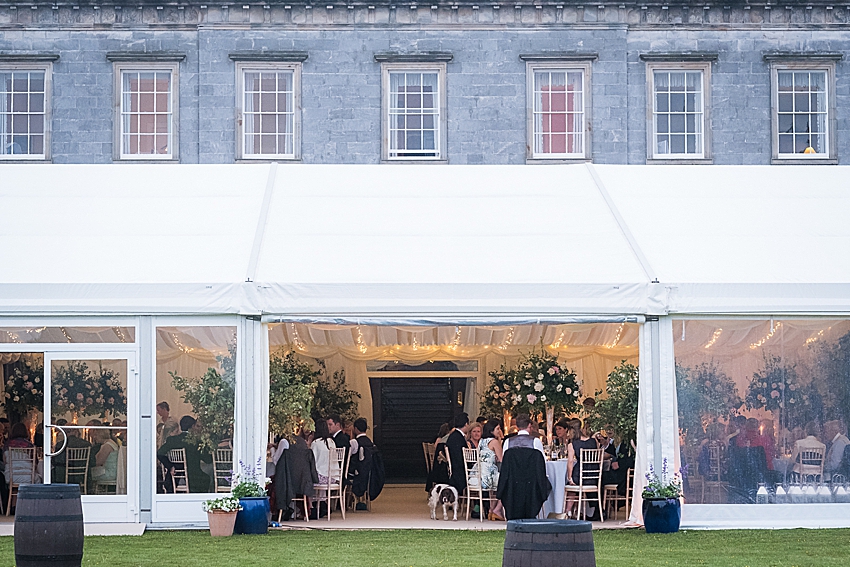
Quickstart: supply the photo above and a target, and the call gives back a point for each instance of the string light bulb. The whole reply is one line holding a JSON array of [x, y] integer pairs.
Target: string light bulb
[[714, 338]]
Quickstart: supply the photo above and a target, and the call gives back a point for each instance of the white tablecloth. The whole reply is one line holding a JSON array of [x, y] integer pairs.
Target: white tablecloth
[[556, 471]]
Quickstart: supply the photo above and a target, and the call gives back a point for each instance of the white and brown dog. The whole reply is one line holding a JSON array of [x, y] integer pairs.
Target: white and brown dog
[[447, 496]]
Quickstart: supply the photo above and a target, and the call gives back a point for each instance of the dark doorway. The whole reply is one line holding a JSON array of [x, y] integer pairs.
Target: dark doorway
[[407, 413]]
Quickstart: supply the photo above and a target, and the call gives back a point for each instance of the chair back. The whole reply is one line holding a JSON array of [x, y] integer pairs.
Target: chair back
[[22, 463], [811, 462], [121, 471], [337, 468], [77, 465], [472, 467], [715, 456], [590, 467], [179, 475], [429, 449], [223, 466], [630, 483]]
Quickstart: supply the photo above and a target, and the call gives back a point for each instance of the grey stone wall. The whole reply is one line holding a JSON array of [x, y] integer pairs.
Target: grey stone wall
[[486, 80]]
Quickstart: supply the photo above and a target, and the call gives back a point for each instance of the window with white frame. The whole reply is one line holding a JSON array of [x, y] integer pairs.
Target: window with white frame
[[558, 112], [269, 109], [802, 112], [24, 116], [678, 113], [414, 103], [147, 111]]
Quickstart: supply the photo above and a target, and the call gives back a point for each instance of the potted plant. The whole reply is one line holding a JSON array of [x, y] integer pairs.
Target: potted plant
[[662, 508], [250, 488], [221, 513]]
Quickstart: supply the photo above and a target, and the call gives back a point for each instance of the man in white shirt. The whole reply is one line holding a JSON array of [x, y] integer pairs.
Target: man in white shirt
[[523, 438], [837, 441]]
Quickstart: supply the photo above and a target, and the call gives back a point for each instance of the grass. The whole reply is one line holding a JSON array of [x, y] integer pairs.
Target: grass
[[405, 548]]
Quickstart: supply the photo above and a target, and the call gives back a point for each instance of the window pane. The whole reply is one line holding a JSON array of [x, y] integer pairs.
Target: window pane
[[803, 114], [195, 379], [413, 114], [268, 109], [558, 110], [146, 109]]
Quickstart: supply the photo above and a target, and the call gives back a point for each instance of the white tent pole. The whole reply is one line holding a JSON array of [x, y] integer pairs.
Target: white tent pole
[[249, 442]]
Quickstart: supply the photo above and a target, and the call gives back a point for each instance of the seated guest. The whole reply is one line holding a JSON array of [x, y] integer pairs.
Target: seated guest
[[340, 438], [106, 459], [321, 447], [837, 441], [455, 443], [295, 472], [19, 471], [809, 443], [199, 481], [490, 457], [72, 441], [524, 437], [443, 434], [562, 433], [584, 441], [473, 436]]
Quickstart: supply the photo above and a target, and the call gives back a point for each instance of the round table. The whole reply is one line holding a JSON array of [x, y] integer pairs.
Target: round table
[[556, 472]]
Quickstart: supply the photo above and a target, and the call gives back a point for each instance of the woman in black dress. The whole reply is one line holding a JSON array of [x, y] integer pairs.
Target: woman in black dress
[[582, 440]]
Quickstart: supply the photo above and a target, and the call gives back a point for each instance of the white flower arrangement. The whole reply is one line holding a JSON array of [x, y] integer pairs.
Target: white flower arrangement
[[223, 504]]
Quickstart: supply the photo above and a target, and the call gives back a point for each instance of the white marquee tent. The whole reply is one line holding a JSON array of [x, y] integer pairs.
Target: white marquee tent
[[407, 245]]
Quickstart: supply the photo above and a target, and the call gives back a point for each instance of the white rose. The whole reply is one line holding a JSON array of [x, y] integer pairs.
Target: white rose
[[17, 398], [538, 386], [559, 387], [540, 376], [542, 398]]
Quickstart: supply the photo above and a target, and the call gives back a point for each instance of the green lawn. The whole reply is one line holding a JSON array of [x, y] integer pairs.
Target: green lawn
[[614, 548]]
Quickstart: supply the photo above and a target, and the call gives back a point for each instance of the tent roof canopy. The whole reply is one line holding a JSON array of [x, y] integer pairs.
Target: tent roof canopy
[[456, 241]]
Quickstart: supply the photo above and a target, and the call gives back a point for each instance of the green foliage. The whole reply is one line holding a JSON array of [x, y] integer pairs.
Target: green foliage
[[212, 398], [619, 406], [24, 387], [705, 394], [833, 384], [292, 384], [332, 396]]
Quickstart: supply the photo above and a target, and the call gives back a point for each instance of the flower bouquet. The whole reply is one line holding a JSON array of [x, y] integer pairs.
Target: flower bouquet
[[24, 387], [73, 389], [498, 398], [541, 382]]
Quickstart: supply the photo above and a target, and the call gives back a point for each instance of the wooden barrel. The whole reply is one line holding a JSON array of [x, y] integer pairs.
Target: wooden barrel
[[548, 543], [49, 526]]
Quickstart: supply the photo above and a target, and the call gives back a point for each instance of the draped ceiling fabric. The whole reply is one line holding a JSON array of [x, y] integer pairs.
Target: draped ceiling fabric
[[591, 350]]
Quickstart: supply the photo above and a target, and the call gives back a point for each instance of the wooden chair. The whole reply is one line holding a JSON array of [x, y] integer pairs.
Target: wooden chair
[[335, 490], [179, 475], [590, 482], [472, 468], [20, 469], [810, 464], [77, 466], [613, 497], [429, 449], [713, 483], [223, 467]]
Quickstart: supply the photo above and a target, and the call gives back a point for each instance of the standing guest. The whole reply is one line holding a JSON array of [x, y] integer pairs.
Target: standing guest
[[524, 437], [455, 443], [481, 419], [490, 456], [837, 441], [169, 424], [340, 438], [473, 435], [362, 449]]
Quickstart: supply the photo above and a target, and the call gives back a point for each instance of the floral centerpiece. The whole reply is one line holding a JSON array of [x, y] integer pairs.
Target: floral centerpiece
[[74, 390], [777, 387], [108, 393], [24, 387], [662, 510], [498, 398], [543, 386]]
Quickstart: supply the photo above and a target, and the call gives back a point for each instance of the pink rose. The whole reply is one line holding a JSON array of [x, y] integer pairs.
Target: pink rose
[[531, 398]]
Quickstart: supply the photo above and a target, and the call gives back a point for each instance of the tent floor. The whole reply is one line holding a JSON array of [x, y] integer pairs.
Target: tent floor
[[405, 506]]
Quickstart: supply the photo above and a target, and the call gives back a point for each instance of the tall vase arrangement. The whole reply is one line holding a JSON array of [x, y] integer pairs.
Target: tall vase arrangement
[[542, 386]]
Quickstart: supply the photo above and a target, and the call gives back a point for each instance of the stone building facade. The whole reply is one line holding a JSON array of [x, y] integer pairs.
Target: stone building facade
[[481, 58]]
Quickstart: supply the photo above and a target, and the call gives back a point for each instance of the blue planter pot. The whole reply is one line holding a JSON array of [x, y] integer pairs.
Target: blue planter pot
[[662, 515], [254, 516]]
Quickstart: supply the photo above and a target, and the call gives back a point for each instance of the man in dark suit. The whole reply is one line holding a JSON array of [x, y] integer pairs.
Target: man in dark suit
[[456, 443], [199, 481], [340, 437]]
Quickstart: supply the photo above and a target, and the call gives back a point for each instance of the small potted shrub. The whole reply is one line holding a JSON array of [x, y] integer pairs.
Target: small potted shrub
[[221, 513], [250, 488], [662, 508]]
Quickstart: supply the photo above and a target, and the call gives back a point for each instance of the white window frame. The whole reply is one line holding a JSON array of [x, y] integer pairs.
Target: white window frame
[[651, 135], [48, 108], [828, 67], [268, 66], [441, 122], [119, 68], [559, 66]]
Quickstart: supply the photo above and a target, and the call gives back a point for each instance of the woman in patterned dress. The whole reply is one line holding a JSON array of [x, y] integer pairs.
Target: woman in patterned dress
[[490, 457]]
